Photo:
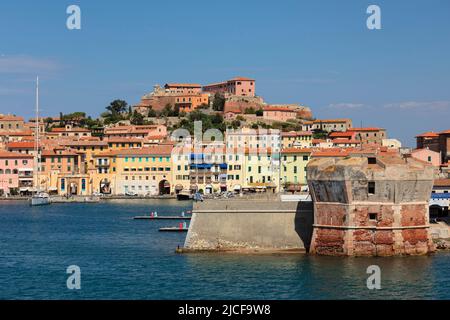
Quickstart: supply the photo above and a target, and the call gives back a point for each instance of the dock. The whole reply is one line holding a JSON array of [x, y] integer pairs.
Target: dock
[[174, 229], [162, 218]]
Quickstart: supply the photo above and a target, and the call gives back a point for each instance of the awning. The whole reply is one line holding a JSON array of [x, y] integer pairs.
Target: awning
[[237, 187], [53, 189]]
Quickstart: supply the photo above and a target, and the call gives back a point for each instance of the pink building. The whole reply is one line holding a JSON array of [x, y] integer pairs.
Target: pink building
[[279, 113], [237, 86], [16, 172], [427, 155]]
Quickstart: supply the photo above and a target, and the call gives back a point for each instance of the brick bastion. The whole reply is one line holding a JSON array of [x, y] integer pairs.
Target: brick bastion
[[372, 205]]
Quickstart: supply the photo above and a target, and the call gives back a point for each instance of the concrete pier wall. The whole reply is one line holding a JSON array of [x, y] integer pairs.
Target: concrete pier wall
[[246, 225]]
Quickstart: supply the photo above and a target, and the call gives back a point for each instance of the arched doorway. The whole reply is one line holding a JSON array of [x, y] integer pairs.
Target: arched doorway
[[73, 188], [436, 211], [105, 186], [164, 187]]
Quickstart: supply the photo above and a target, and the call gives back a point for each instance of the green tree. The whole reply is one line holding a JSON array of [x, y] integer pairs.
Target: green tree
[[249, 110], [115, 111], [151, 112], [218, 102], [137, 118], [259, 112]]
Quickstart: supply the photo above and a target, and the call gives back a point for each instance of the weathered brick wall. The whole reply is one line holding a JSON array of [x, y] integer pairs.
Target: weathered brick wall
[[348, 220]]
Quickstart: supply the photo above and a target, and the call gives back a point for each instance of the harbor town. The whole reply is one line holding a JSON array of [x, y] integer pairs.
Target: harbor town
[[222, 143]]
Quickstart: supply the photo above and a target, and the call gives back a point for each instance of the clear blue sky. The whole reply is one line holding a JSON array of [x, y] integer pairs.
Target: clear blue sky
[[317, 53]]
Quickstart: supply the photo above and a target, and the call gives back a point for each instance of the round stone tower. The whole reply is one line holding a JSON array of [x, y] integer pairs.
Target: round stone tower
[[370, 205]]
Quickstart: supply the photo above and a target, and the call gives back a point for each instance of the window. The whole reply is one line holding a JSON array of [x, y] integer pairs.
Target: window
[[372, 160], [373, 216], [305, 158], [429, 158], [371, 187]]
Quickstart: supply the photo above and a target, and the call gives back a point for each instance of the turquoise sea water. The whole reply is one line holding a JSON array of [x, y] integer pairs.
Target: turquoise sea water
[[121, 258]]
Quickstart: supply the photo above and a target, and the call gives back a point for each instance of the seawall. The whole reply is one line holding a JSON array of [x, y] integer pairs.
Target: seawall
[[250, 225]]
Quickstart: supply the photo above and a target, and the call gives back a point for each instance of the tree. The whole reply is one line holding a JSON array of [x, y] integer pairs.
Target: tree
[[137, 118], [259, 112], [250, 110], [218, 102], [115, 111], [151, 112]]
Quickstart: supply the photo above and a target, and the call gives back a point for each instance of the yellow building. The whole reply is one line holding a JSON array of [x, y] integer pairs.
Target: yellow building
[[261, 170], [146, 171], [235, 174], [299, 139], [293, 168], [104, 176]]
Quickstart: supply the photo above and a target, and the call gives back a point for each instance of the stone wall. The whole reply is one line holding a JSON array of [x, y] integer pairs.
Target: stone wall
[[248, 225]]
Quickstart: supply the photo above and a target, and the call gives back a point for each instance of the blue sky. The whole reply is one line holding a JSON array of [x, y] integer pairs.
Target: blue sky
[[317, 53]]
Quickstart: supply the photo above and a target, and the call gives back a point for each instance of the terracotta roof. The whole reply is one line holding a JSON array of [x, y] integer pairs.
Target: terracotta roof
[[428, 135], [296, 133], [445, 132], [442, 183], [16, 133], [20, 144], [342, 141], [330, 153], [242, 79], [82, 143], [70, 130], [184, 85], [338, 134], [46, 153], [123, 140], [14, 155], [10, 117], [164, 150], [283, 109], [364, 129], [331, 121], [296, 150]]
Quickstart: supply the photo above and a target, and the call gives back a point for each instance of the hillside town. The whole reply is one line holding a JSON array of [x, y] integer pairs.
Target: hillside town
[[139, 151]]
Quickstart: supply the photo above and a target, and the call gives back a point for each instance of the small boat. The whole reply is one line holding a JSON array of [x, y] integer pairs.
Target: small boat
[[182, 227], [173, 229], [162, 218], [184, 195], [40, 199]]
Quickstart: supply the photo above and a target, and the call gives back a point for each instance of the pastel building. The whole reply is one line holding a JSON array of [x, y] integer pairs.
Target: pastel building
[[146, 171], [300, 139], [261, 170], [369, 135], [293, 168], [16, 172], [238, 86], [327, 125], [247, 138], [428, 156], [208, 170], [281, 114], [10, 122]]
